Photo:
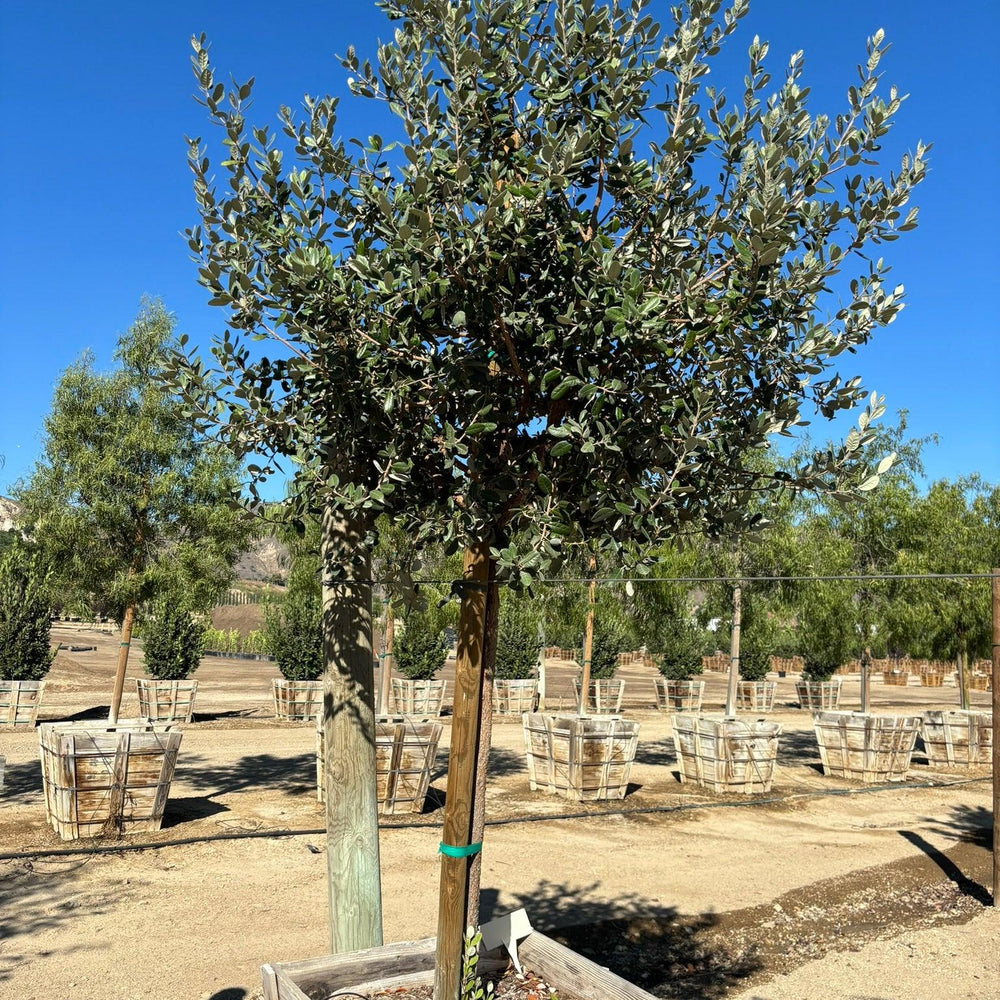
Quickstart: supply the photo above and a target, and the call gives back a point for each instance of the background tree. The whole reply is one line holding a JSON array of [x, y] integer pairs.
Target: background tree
[[129, 499], [25, 615], [520, 331]]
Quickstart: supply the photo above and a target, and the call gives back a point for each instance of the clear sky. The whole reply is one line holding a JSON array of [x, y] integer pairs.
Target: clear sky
[[96, 99]]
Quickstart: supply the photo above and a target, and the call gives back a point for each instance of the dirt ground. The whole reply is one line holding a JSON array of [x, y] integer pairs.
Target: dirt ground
[[822, 889]]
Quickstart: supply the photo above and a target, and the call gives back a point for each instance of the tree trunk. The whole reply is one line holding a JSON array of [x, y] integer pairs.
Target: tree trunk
[[352, 851], [123, 647], [963, 680], [456, 835], [734, 652], [385, 673], [866, 678]]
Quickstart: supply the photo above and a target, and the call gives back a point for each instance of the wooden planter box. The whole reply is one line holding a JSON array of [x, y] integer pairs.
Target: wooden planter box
[[394, 967], [297, 701], [404, 759], [978, 682], [756, 696], [865, 747], [106, 780], [515, 697], [957, 738], [166, 701], [581, 757], [895, 678], [604, 697], [418, 697], [718, 663], [932, 680], [818, 696], [679, 696], [727, 755], [19, 701]]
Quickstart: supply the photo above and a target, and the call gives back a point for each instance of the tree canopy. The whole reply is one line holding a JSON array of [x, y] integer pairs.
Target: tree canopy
[[573, 293]]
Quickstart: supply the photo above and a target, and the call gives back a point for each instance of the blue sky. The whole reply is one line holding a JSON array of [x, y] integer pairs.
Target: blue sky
[[96, 100]]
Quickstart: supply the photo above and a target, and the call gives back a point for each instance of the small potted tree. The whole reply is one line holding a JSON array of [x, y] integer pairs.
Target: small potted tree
[[25, 624], [755, 693], [421, 652], [826, 642], [294, 635], [605, 692], [172, 642], [679, 661], [515, 682]]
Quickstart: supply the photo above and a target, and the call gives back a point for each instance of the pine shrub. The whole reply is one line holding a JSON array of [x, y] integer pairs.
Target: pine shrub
[[172, 641], [25, 616]]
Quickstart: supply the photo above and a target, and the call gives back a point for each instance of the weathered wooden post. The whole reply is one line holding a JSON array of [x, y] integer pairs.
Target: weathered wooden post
[[588, 641], [734, 653]]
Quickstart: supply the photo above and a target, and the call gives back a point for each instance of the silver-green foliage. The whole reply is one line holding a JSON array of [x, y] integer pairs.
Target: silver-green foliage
[[472, 986], [25, 615], [571, 295]]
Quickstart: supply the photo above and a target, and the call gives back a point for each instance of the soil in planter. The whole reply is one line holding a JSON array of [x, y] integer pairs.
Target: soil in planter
[[509, 986]]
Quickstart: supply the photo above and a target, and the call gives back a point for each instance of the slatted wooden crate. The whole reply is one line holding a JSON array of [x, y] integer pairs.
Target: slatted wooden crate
[[106, 780], [515, 697], [679, 696], [865, 747], [895, 678], [717, 663], [165, 701], [392, 968], [957, 738], [932, 679], [788, 664], [418, 697], [727, 755], [756, 696], [404, 761], [580, 757], [817, 696], [297, 701], [558, 653], [19, 701], [605, 695]]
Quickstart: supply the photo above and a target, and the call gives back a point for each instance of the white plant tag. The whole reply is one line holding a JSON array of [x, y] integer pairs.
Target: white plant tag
[[507, 931]]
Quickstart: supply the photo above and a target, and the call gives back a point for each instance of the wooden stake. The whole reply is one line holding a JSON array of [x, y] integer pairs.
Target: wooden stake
[[123, 647], [461, 772], [352, 854], [734, 652], [588, 641], [385, 666], [996, 736], [483, 743]]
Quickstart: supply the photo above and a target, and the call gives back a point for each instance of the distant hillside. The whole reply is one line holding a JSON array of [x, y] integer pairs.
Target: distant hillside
[[8, 512], [266, 561]]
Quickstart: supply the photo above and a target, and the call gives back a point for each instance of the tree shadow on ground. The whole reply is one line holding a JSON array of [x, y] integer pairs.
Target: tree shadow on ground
[[656, 752], [42, 896], [295, 775], [799, 749], [22, 783], [95, 713], [964, 884], [651, 945], [186, 809], [971, 824]]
